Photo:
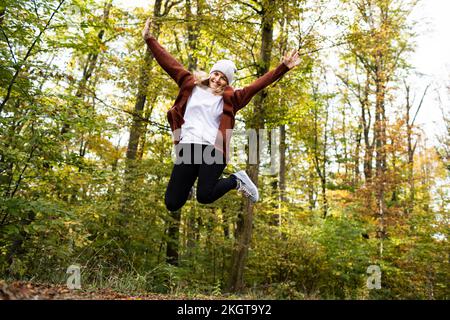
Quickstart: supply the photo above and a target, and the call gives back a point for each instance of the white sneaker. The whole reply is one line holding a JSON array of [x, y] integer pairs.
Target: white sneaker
[[246, 185]]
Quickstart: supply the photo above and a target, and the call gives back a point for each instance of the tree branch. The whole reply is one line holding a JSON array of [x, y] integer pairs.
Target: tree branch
[[168, 5], [9, 45], [420, 104], [258, 11]]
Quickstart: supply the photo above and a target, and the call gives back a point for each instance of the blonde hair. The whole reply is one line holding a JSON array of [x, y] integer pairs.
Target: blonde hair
[[202, 80]]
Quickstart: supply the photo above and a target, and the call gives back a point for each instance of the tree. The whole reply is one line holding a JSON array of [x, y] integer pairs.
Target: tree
[[173, 229], [378, 41], [409, 136], [244, 229]]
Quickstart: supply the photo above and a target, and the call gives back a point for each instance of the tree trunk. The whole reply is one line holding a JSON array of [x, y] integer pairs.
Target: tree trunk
[[356, 175], [192, 29], [282, 184], [274, 176], [410, 154], [173, 235], [244, 230], [344, 142], [411, 148], [380, 147], [366, 124], [324, 163], [137, 126], [320, 154]]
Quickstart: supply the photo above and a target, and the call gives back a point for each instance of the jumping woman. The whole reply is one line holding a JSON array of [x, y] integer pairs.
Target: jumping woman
[[202, 120]]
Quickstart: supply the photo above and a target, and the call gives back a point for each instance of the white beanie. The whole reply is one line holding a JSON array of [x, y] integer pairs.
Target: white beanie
[[227, 67]]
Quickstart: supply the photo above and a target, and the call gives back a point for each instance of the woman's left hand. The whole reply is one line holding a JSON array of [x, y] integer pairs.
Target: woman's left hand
[[146, 31], [292, 59]]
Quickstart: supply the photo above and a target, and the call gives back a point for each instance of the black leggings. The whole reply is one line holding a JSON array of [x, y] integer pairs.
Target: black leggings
[[209, 186]]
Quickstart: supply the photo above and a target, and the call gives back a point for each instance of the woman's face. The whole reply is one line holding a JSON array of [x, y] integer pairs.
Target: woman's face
[[217, 80]]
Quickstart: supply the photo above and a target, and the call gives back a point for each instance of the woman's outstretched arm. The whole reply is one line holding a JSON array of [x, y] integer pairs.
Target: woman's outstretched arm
[[243, 96], [175, 69]]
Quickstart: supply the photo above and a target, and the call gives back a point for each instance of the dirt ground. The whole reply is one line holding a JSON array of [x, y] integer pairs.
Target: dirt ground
[[19, 290]]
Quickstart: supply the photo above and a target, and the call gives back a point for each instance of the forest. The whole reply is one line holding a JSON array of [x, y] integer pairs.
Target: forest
[[351, 185]]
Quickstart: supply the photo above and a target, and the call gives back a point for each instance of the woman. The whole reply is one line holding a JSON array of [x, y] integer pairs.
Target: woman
[[202, 120]]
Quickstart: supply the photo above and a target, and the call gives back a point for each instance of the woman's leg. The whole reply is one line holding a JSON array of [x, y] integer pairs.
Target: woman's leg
[[181, 181], [209, 186]]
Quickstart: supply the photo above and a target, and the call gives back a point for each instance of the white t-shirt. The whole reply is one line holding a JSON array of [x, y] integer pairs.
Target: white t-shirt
[[202, 117]]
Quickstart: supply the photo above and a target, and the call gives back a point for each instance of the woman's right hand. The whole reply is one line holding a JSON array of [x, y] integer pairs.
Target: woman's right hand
[[292, 59], [146, 31]]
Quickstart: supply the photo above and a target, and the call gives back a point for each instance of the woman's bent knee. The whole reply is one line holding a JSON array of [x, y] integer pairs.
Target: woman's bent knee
[[204, 198], [173, 204]]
